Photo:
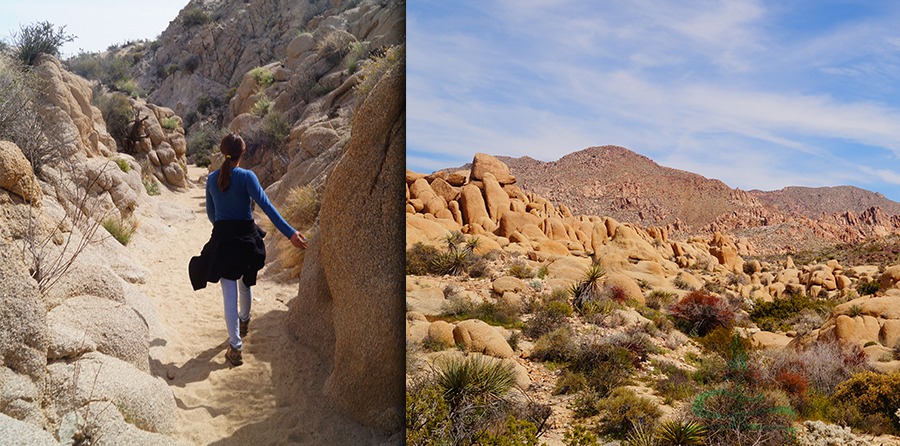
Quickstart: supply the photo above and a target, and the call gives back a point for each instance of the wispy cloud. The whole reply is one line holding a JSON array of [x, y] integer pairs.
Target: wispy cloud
[[671, 81]]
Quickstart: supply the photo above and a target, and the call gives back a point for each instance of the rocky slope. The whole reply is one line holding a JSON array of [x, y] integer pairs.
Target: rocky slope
[[617, 182]]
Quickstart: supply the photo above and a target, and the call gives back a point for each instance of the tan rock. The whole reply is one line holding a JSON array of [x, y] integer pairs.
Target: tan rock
[[472, 204], [483, 163], [421, 189], [890, 333], [441, 332], [16, 174], [444, 190], [627, 284], [572, 268], [458, 178], [890, 277], [511, 222], [478, 336], [555, 229], [496, 199], [551, 247], [508, 284], [769, 340], [725, 252]]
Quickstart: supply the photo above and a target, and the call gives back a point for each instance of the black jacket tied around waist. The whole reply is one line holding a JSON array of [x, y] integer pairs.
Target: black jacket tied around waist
[[234, 250]]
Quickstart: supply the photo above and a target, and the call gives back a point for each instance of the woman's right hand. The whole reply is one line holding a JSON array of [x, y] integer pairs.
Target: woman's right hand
[[298, 240]]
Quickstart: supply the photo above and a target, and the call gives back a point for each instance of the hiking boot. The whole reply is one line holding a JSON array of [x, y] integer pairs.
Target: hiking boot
[[245, 325], [233, 356]]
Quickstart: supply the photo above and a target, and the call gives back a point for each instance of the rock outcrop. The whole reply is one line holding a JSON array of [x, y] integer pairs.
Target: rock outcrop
[[353, 270]]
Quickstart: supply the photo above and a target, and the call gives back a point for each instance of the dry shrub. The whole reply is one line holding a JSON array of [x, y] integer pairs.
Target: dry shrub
[[871, 393], [736, 415], [624, 409], [699, 312], [548, 316]]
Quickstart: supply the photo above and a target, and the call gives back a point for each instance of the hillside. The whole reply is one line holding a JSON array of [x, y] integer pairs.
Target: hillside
[[813, 202], [615, 181]]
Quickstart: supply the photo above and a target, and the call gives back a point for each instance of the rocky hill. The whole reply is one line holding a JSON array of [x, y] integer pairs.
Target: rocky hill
[[617, 182], [816, 202]]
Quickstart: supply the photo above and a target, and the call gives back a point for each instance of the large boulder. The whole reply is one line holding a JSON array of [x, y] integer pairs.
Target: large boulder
[[477, 336], [19, 433], [360, 226], [89, 323], [142, 398], [484, 163], [16, 174], [23, 318]]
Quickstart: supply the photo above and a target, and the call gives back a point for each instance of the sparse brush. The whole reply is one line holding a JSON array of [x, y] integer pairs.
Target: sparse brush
[[121, 230], [699, 312], [123, 165], [520, 270], [866, 288], [453, 262], [682, 284], [420, 259], [547, 317], [624, 410], [640, 435]]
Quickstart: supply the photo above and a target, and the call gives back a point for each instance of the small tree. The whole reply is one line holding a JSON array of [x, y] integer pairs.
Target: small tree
[[39, 38]]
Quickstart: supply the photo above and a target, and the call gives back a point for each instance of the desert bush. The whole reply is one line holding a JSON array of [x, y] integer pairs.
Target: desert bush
[[31, 41], [699, 312], [22, 121], [426, 412], [123, 165], [207, 102], [275, 129], [547, 317], [604, 365], [676, 383], [194, 17], [126, 86], [866, 288], [453, 262], [658, 299], [773, 316], [682, 284], [721, 340], [733, 414], [262, 77], [496, 313], [375, 69], [420, 259], [474, 378], [872, 394], [121, 229], [262, 105], [170, 123], [480, 268], [515, 433], [117, 113], [520, 270], [623, 410], [202, 143], [557, 345], [334, 46], [150, 185], [190, 63], [357, 52], [580, 436]]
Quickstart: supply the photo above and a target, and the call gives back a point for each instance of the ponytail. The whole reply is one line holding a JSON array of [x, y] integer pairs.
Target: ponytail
[[232, 146]]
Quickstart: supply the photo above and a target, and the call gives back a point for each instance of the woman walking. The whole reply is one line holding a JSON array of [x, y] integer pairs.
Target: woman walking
[[235, 252]]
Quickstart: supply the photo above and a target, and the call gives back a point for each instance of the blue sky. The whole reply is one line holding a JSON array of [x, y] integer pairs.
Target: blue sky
[[97, 23], [758, 94]]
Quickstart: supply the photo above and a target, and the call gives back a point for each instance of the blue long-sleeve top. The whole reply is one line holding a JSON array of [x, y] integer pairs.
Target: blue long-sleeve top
[[234, 203]]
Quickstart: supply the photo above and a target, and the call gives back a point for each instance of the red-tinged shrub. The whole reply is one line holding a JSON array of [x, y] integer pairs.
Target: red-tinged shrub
[[699, 312], [794, 383]]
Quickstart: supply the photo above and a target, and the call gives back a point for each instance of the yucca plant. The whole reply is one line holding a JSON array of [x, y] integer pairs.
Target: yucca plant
[[453, 262], [589, 288], [641, 435], [680, 433], [474, 378], [453, 239], [472, 244]]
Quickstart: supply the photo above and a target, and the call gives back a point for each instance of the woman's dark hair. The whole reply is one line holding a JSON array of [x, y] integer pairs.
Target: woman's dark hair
[[232, 146]]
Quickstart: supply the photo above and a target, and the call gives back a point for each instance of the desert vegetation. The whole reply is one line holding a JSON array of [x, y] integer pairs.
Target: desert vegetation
[[714, 350]]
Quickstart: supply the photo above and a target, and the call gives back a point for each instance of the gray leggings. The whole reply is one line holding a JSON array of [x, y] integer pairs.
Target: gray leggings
[[231, 289]]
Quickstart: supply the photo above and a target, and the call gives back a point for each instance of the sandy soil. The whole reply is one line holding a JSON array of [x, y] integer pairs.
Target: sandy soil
[[274, 397]]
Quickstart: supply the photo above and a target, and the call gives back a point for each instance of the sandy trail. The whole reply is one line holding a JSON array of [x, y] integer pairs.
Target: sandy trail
[[274, 397]]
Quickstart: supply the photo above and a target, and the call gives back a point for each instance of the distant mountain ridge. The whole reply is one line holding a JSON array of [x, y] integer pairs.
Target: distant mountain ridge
[[616, 182]]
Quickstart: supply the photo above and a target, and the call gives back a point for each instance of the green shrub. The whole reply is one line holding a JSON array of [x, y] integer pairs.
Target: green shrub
[[520, 270], [623, 410], [676, 384], [126, 86], [375, 69], [117, 113], [194, 17], [275, 129], [872, 394], [854, 310], [721, 341], [151, 186], [557, 345], [171, 69], [263, 78], [682, 284], [170, 123], [494, 313], [262, 105], [658, 299], [517, 433], [123, 165], [206, 102], [426, 415], [589, 288], [190, 63], [420, 259], [357, 53], [38, 38], [202, 143], [121, 230], [772, 315], [866, 288], [580, 436], [547, 317]]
